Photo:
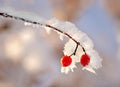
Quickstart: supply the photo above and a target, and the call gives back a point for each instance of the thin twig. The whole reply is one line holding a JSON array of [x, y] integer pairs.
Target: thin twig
[[54, 28]]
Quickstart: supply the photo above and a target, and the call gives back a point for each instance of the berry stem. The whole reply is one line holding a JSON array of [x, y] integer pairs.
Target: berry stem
[[74, 53], [46, 25]]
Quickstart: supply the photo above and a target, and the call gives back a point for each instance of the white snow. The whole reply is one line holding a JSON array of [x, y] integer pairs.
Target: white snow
[[22, 14], [85, 41], [48, 30], [68, 68], [27, 24], [69, 28]]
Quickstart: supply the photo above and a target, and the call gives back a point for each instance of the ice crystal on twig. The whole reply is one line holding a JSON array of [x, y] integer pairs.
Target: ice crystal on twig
[[85, 46], [79, 48]]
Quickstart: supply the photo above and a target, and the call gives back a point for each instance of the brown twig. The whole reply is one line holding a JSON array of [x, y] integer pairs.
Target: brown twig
[[54, 28]]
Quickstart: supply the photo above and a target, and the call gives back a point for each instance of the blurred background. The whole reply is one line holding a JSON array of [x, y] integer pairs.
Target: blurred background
[[31, 58]]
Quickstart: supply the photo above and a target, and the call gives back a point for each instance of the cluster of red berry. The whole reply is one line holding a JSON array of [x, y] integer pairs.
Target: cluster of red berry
[[67, 60]]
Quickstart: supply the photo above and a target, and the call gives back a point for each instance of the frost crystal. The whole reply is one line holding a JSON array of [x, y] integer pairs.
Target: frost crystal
[[25, 15], [79, 43], [68, 68], [48, 30], [95, 61], [27, 24], [61, 36], [70, 46]]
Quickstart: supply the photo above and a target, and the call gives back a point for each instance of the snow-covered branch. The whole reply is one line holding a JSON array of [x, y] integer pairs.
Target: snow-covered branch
[[79, 48], [45, 25]]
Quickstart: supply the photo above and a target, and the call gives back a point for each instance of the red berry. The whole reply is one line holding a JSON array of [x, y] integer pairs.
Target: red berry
[[85, 59], [66, 61]]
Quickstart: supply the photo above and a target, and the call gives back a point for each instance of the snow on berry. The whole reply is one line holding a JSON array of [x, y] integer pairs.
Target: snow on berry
[[85, 59], [67, 64], [66, 61], [95, 61]]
